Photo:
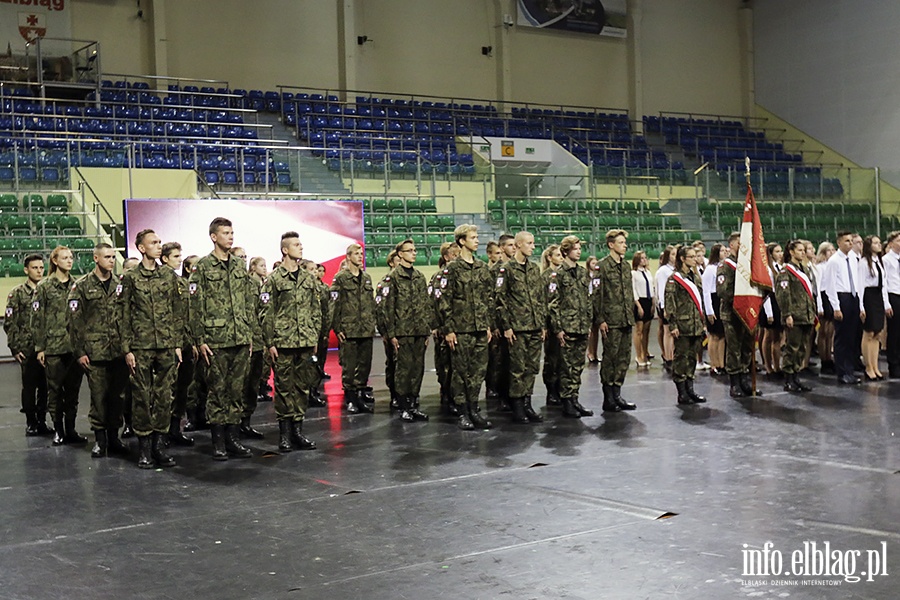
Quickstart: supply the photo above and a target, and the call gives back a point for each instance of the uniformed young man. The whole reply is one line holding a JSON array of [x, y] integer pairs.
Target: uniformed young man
[[497, 377], [521, 316], [685, 313], [614, 300], [17, 326], [171, 259], [796, 295], [571, 315], [408, 320], [315, 395], [465, 320], [389, 363], [738, 340], [353, 322], [127, 431], [94, 313], [152, 330], [223, 318], [250, 388], [292, 322], [449, 251]]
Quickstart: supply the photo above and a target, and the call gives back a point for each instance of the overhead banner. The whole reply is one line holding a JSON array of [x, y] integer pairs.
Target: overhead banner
[[580, 16], [22, 21]]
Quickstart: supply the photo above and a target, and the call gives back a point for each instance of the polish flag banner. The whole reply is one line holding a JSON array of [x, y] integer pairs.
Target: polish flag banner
[[752, 278]]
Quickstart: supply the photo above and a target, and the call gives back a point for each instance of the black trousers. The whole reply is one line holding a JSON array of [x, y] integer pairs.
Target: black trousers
[[893, 337], [846, 335]]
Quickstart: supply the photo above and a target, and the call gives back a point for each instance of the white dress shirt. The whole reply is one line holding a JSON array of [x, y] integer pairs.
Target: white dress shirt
[[836, 278], [869, 279], [891, 264], [708, 281], [639, 282], [662, 276]]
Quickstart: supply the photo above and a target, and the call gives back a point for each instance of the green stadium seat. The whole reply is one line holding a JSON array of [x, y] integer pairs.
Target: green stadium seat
[[415, 223], [418, 239], [566, 205], [70, 225], [370, 257], [31, 245], [447, 222], [82, 243], [494, 205], [7, 247], [434, 239], [379, 222], [381, 239], [18, 225], [513, 220], [367, 221], [398, 222], [379, 205], [396, 205], [33, 202], [9, 203], [429, 205], [584, 221], [57, 203], [558, 222]]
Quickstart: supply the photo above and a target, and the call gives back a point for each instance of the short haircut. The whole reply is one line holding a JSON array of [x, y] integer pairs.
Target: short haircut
[[391, 257], [445, 249], [139, 238], [286, 236], [735, 235], [170, 247], [697, 243], [505, 237], [31, 258], [567, 243], [403, 243], [490, 246], [520, 237], [353, 248], [612, 234], [218, 222], [462, 232], [101, 246], [842, 233], [892, 236]]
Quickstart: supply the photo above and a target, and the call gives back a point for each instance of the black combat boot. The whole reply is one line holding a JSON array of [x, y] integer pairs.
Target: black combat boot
[[158, 451], [175, 435], [41, 421], [218, 440], [585, 412], [113, 444], [315, 398], [532, 415], [284, 436], [518, 411], [622, 402], [349, 401], [145, 459], [31, 429], [300, 440], [803, 387], [362, 404], [448, 405], [747, 385], [232, 446], [404, 403], [72, 436], [789, 384], [504, 404], [463, 421], [414, 410], [694, 396], [553, 394], [100, 444], [736, 391], [609, 400], [683, 397], [569, 410], [368, 394], [127, 431], [477, 420], [247, 430]]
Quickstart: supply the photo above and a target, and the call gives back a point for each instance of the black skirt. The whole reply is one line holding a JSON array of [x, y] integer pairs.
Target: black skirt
[[717, 328], [647, 305], [776, 324], [827, 310], [873, 305]]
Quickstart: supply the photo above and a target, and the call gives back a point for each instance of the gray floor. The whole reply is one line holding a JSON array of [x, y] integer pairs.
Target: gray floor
[[658, 503]]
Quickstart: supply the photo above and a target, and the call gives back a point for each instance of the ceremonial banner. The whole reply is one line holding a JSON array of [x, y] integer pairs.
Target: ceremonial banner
[[752, 278]]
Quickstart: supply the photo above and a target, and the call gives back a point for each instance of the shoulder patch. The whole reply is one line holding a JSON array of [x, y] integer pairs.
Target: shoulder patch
[[500, 279], [437, 293], [385, 291], [377, 299], [387, 278], [73, 305], [784, 285], [720, 279], [552, 287], [192, 287], [334, 295], [35, 305], [119, 290], [9, 311], [264, 297]]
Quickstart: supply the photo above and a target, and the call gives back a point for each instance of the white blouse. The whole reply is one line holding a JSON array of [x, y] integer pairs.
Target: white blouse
[[640, 280], [869, 279], [708, 280]]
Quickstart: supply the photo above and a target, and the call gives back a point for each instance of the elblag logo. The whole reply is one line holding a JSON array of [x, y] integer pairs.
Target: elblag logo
[[813, 560]]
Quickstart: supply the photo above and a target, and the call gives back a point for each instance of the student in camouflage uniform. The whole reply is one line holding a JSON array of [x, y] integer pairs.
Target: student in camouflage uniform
[[407, 325], [392, 261], [551, 260], [292, 322], [258, 273], [685, 313], [17, 326], [353, 322], [195, 390], [796, 295], [171, 259], [739, 342], [449, 252], [521, 298], [223, 318], [571, 314], [127, 431], [152, 331], [54, 347], [250, 393], [315, 396], [497, 379], [613, 294], [93, 326], [465, 318]]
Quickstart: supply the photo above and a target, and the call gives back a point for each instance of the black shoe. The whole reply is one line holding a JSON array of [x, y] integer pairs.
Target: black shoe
[[417, 414], [849, 380], [72, 436], [31, 429], [532, 415], [218, 440], [623, 404], [827, 367], [325, 375], [284, 436], [694, 396], [683, 397], [790, 385], [316, 400], [128, 432], [175, 436], [518, 411], [569, 410], [464, 423], [114, 445], [736, 391], [42, 427], [248, 432], [232, 446], [298, 439], [800, 384], [717, 372], [158, 451], [747, 386], [609, 400], [505, 405], [585, 412], [359, 400], [59, 434], [477, 420], [553, 395], [368, 394], [100, 444], [145, 459]]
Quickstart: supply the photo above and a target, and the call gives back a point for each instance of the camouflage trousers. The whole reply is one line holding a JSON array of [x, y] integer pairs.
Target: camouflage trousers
[[552, 361], [251, 383], [106, 380], [616, 355], [225, 376], [198, 391], [152, 390], [524, 362], [497, 376], [295, 375], [389, 365], [34, 387], [410, 365], [63, 383], [468, 363], [684, 364], [356, 362], [572, 357], [739, 345], [797, 340], [442, 364], [183, 381]]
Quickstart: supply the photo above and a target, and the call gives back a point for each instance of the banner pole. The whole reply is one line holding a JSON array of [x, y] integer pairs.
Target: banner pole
[[755, 331]]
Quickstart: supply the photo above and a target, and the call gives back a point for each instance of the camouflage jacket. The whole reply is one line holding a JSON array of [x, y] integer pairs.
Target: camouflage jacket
[[327, 310], [222, 314], [613, 293], [292, 317], [152, 310], [353, 305], [792, 297], [406, 305], [183, 296], [17, 325], [466, 297], [725, 287], [94, 314], [681, 311], [521, 296], [48, 317], [571, 305], [379, 307], [254, 290]]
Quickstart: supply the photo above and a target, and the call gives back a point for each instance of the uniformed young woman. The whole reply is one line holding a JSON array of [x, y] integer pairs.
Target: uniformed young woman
[[684, 311]]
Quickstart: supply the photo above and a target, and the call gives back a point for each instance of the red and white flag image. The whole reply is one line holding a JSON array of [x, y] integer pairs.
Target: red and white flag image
[[752, 279], [32, 26]]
